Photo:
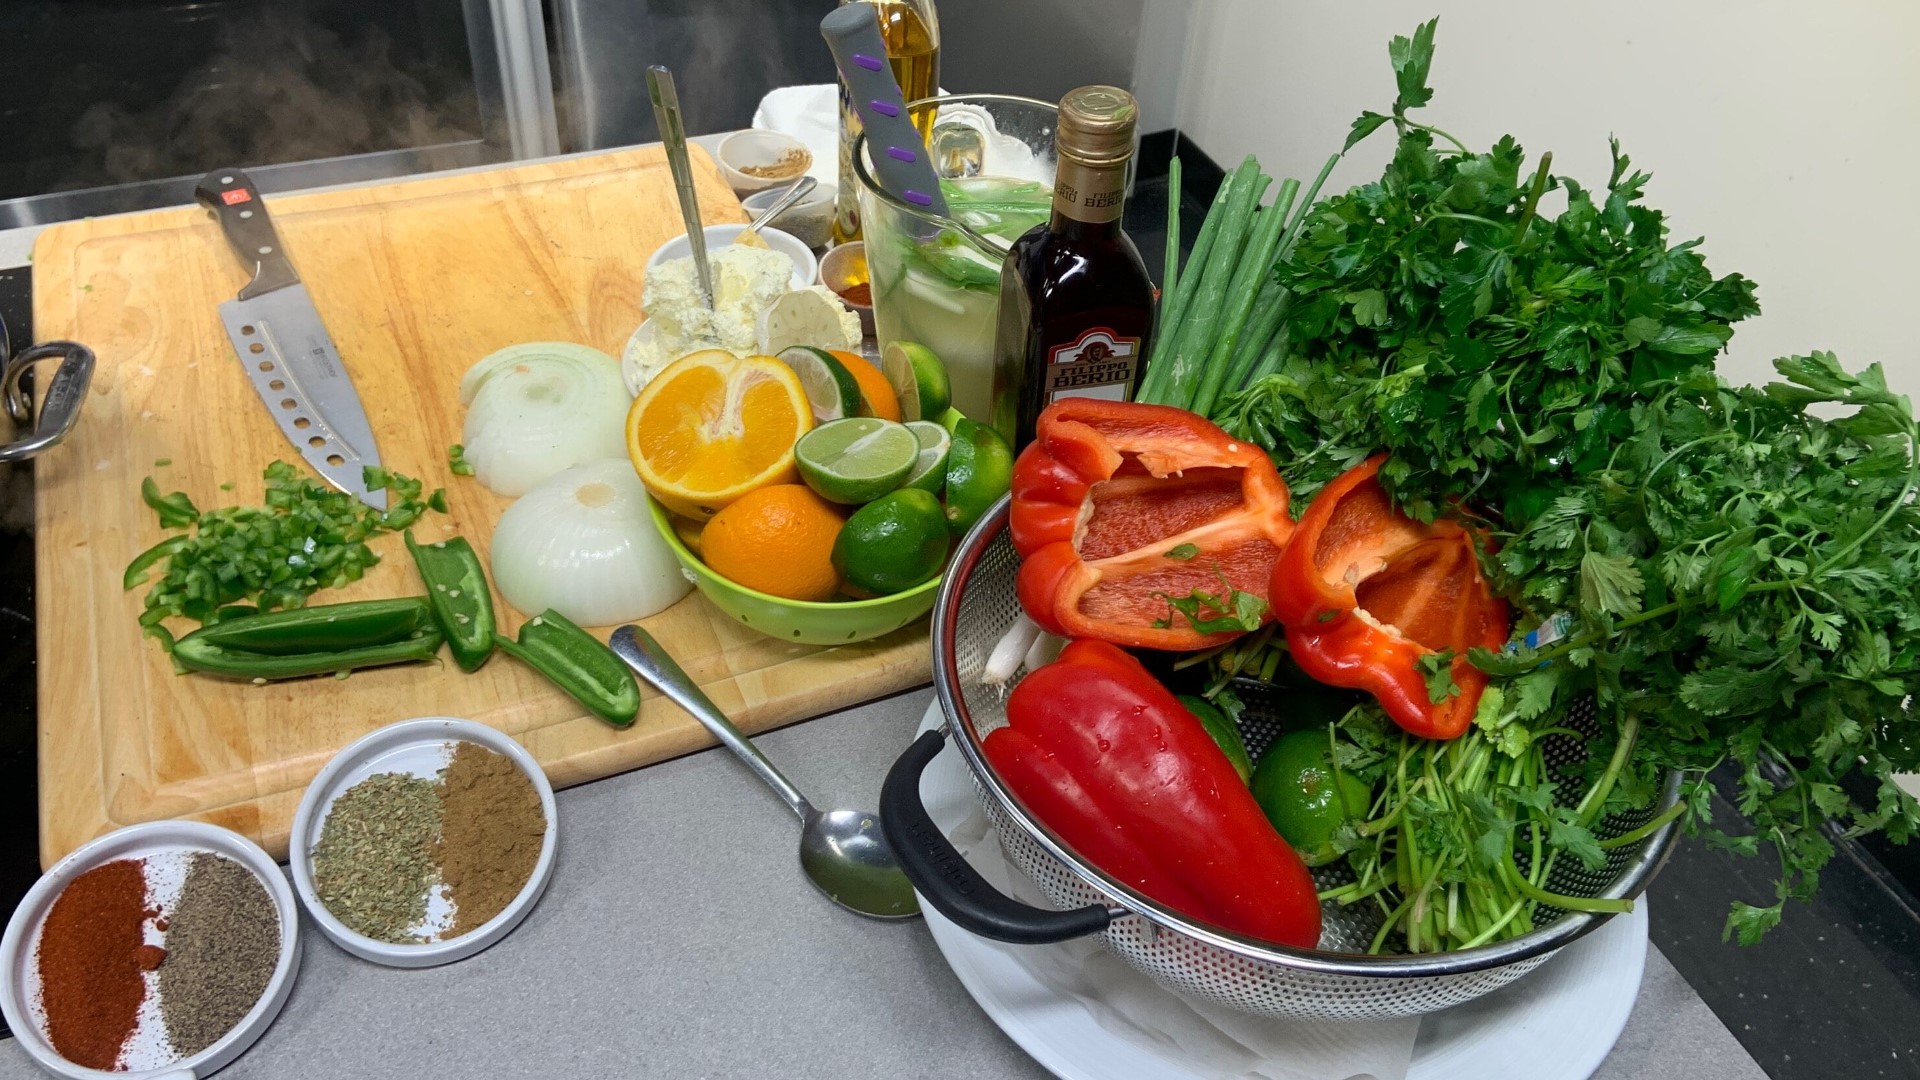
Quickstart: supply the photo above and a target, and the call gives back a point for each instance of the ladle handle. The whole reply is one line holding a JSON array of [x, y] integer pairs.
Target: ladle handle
[[944, 879], [652, 663]]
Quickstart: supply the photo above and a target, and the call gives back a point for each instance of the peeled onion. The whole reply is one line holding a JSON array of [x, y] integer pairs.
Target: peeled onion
[[538, 408], [583, 544]]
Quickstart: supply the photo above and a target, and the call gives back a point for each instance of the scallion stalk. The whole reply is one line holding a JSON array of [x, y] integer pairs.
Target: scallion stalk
[[1256, 267], [1171, 276], [1173, 307], [1194, 343]]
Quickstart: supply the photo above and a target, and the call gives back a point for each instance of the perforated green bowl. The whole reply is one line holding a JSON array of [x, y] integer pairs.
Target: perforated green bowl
[[830, 622]]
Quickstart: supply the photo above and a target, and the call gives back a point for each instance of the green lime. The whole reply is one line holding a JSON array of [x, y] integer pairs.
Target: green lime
[[831, 389], [919, 380], [930, 468], [856, 460], [893, 543], [1298, 789], [949, 419], [979, 471]]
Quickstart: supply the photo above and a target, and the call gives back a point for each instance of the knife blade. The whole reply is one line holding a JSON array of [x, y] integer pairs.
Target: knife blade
[[284, 348]]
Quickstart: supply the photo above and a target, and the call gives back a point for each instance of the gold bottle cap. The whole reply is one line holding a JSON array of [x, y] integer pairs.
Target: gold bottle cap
[[1096, 126]]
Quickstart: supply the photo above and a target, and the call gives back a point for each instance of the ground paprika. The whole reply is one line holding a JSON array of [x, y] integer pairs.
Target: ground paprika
[[91, 955]]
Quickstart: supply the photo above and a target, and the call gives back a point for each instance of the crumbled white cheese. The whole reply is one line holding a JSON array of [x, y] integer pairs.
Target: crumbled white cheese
[[746, 282]]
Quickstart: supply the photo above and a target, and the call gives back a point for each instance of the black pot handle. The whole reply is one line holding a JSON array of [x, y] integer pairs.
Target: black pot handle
[[943, 876]]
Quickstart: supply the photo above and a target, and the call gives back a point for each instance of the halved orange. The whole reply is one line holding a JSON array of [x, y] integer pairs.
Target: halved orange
[[713, 426]]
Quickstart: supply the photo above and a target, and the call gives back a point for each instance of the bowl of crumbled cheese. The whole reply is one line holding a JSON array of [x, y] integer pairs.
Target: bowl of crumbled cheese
[[764, 300]]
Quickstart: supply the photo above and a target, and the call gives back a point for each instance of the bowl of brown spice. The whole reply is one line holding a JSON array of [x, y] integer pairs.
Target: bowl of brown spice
[[162, 949], [424, 842], [757, 159]]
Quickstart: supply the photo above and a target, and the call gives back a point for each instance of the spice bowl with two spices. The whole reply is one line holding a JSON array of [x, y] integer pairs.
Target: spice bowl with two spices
[[424, 842], [159, 950]]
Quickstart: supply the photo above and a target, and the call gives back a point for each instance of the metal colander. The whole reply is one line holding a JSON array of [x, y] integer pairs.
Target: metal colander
[[1337, 981]]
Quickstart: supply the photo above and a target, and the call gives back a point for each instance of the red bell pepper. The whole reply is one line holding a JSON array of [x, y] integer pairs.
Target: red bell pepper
[[1109, 759], [1367, 594], [1118, 506]]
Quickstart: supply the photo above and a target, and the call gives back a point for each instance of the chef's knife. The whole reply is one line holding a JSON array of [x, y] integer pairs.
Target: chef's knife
[[284, 347]]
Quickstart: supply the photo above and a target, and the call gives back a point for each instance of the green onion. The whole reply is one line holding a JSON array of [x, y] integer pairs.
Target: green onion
[[1174, 306], [1171, 276], [1268, 313], [1256, 268], [1195, 339]]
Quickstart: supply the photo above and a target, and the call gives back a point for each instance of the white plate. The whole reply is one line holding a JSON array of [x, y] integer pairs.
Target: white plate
[[420, 747], [144, 841], [1557, 1023]]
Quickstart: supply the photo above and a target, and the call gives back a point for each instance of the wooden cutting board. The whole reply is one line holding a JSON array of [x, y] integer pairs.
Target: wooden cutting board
[[416, 281]]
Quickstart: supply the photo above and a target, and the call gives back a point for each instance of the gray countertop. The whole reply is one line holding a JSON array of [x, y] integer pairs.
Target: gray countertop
[[678, 939]]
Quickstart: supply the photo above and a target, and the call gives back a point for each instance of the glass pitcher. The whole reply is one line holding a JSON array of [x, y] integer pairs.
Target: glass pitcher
[[936, 279]]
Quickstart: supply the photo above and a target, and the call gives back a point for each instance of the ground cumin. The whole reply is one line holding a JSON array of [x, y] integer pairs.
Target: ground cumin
[[492, 827], [91, 955]]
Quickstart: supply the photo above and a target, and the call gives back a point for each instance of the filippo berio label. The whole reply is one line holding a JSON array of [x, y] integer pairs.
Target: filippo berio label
[[1097, 364], [1088, 194]]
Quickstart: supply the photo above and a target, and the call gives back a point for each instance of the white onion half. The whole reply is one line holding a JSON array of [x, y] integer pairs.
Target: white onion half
[[583, 543], [538, 408]]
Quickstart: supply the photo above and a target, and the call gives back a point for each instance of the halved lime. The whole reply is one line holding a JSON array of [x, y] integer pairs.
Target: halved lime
[[856, 460], [832, 391], [919, 380], [979, 471], [930, 468]]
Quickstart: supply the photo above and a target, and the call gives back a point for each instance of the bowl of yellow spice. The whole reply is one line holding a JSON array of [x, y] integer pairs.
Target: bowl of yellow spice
[[424, 842]]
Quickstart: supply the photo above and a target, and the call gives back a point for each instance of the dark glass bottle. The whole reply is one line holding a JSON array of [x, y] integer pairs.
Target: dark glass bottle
[[1076, 305]]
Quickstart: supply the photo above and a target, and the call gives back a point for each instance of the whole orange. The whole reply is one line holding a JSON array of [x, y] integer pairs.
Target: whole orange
[[777, 540], [875, 391]]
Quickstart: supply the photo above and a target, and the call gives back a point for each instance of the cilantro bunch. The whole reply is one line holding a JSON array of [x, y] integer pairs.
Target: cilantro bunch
[[1732, 574]]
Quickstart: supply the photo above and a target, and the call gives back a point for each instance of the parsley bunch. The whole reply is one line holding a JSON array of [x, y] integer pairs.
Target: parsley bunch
[[1731, 574]]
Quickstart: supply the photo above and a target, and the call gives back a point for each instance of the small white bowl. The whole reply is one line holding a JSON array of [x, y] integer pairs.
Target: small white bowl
[[757, 147], [806, 268], [17, 949], [810, 220], [421, 747]]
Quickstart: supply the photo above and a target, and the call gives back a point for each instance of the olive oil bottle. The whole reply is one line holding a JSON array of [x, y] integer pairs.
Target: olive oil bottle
[[1076, 305], [911, 29]]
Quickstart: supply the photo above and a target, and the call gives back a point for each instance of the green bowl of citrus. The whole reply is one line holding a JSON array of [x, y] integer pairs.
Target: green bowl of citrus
[[807, 622]]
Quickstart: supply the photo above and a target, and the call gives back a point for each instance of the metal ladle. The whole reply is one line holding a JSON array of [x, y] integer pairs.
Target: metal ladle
[[842, 852]]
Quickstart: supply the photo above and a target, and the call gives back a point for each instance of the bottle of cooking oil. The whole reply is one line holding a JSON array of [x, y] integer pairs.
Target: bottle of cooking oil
[[1076, 305], [911, 29]]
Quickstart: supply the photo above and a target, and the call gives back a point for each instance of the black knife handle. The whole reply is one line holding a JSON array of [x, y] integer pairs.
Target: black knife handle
[[236, 203]]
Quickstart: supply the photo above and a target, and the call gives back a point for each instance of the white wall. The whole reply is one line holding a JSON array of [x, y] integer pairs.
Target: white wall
[[1785, 131]]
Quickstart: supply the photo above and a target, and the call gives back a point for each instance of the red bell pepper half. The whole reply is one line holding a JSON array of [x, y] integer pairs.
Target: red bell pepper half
[[1372, 598], [1119, 506], [1109, 759]]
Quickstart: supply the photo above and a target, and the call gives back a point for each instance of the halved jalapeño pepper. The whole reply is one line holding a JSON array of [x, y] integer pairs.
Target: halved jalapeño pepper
[[457, 591], [327, 639], [578, 663], [323, 628]]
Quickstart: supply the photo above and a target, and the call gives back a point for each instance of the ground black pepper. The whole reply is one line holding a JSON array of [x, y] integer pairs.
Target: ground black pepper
[[223, 942]]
